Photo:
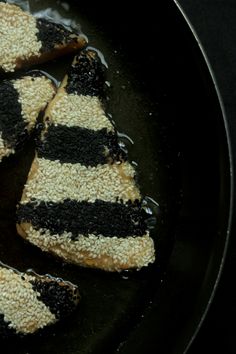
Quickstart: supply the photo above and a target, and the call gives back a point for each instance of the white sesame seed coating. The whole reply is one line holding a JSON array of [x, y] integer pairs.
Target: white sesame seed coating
[[53, 181], [19, 303], [17, 36], [107, 253], [34, 94], [78, 110]]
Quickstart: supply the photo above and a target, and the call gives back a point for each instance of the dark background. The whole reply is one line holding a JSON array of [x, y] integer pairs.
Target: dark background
[[215, 24]]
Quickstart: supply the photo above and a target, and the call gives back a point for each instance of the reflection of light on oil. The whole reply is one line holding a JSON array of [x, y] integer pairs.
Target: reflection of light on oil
[[125, 137], [125, 274], [65, 6], [152, 209], [23, 4], [100, 54], [54, 15], [30, 271], [134, 163], [122, 144], [3, 265], [52, 78]]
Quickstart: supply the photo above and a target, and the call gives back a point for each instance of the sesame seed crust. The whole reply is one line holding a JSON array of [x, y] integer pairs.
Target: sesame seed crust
[[52, 34], [53, 181], [26, 40], [12, 126], [85, 218], [86, 76], [21, 101], [110, 236], [19, 303], [18, 36], [34, 95], [79, 110], [79, 145], [59, 296], [107, 253]]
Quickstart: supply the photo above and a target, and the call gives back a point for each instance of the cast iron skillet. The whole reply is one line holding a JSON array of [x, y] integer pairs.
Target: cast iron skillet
[[163, 97]]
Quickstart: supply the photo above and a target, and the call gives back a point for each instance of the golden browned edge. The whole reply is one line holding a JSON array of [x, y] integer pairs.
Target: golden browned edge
[[59, 50], [105, 262]]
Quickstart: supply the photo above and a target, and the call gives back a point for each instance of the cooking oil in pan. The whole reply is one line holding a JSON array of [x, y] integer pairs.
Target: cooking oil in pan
[[111, 303]]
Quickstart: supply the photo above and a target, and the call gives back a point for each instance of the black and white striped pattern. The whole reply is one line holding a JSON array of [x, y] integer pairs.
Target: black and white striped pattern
[[81, 201], [21, 101], [25, 39], [29, 302]]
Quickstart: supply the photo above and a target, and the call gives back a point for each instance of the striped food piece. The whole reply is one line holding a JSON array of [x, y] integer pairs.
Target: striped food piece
[[81, 201], [30, 302], [26, 40], [21, 101]]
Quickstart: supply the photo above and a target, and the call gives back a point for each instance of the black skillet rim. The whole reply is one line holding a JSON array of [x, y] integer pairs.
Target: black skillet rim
[[230, 157], [224, 251], [183, 346]]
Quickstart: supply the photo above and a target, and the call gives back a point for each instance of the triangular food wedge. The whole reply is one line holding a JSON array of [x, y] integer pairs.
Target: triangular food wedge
[[30, 302], [27, 40], [81, 202]]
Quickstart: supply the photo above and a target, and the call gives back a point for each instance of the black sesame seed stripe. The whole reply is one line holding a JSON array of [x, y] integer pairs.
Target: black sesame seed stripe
[[79, 145], [87, 75], [98, 218], [52, 34], [12, 125], [58, 298]]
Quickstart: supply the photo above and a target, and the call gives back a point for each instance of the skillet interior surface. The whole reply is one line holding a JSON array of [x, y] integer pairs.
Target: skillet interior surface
[[163, 98]]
